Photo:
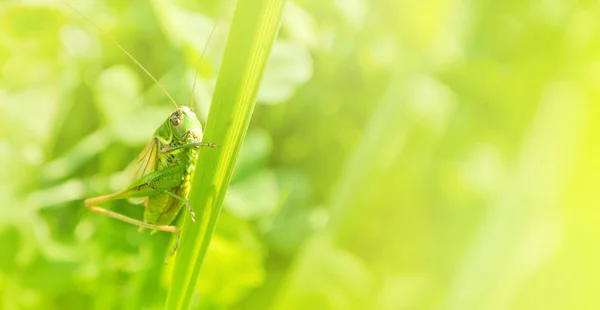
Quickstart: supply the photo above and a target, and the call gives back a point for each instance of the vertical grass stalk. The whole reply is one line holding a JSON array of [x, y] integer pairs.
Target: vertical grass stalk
[[253, 31]]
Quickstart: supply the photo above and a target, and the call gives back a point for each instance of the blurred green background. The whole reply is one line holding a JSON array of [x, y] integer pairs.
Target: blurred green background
[[433, 154]]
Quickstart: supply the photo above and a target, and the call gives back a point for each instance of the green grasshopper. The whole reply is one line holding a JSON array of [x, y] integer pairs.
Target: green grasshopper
[[163, 176], [164, 169]]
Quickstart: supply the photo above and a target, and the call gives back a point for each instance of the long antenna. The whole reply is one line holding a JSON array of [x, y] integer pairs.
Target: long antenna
[[124, 51], [200, 61]]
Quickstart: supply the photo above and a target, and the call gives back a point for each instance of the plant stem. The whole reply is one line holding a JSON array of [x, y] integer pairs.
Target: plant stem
[[253, 30]]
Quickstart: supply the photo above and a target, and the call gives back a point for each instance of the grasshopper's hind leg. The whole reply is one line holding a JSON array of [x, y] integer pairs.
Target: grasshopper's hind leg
[[177, 236], [91, 205]]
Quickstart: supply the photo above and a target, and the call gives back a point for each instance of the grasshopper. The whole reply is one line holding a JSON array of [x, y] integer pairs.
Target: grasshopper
[[164, 169]]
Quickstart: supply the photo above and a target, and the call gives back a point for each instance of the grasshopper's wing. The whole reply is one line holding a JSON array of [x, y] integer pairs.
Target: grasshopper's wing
[[147, 160], [146, 164]]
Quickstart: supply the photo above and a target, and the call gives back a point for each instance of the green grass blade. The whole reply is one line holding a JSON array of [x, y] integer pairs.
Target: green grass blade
[[253, 30]]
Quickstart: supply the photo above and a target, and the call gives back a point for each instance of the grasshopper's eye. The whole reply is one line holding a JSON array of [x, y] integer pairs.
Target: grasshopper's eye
[[175, 121]]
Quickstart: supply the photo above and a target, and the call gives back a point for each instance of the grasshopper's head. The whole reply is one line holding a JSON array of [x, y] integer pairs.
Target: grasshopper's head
[[185, 125]]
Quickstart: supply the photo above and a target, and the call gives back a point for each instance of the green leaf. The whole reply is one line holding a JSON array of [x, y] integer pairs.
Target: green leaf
[[253, 30]]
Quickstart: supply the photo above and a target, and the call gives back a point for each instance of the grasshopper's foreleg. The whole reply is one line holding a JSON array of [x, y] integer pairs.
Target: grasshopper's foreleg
[[193, 144], [91, 205], [187, 203]]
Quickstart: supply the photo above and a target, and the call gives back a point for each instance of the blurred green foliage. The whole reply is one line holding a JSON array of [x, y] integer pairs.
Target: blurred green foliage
[[435, 154]]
